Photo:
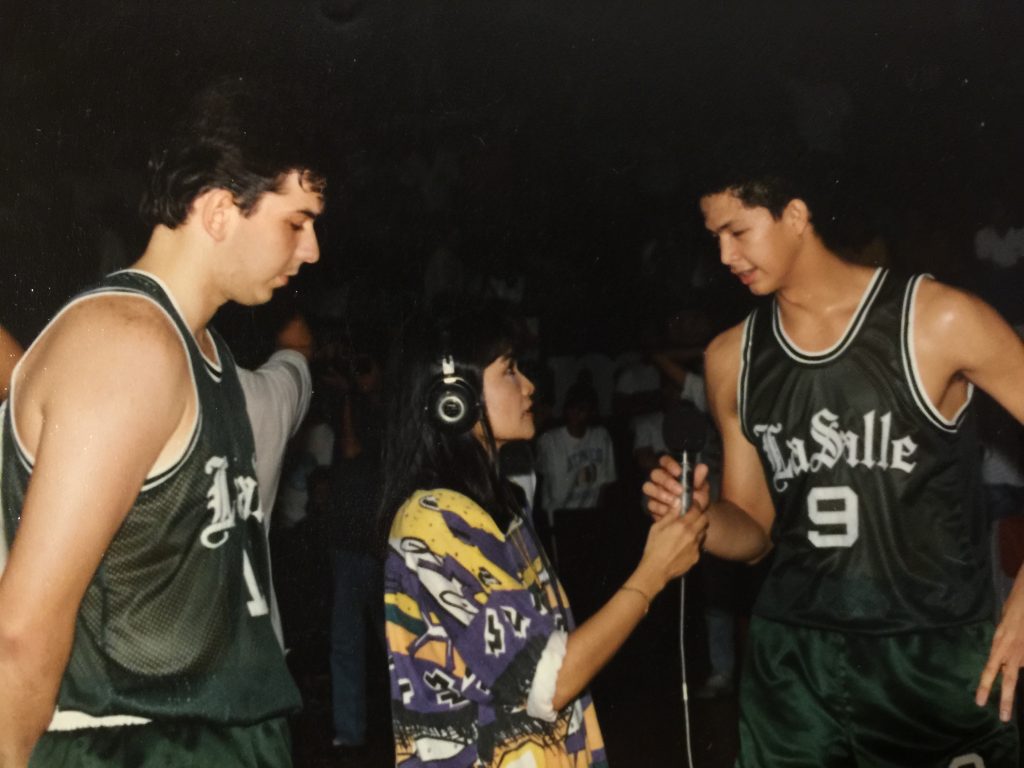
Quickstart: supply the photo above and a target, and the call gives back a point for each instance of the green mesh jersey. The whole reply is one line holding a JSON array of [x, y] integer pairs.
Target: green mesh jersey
[[175, 622], [878, 522]]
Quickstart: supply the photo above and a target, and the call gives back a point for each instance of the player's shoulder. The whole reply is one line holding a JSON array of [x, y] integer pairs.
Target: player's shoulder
[[941, 307], [118, 313], [129, 332], [959, 329], [721, 368], [724, 349]]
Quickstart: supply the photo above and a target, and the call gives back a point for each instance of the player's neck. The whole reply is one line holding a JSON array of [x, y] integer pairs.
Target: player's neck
[[175, 258], [821, 283], [816, 305]]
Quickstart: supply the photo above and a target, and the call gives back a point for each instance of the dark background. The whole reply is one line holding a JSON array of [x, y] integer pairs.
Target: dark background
[[556, 141]]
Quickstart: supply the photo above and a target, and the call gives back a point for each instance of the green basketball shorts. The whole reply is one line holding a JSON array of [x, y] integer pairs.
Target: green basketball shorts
[[822, 699], [168, 744]]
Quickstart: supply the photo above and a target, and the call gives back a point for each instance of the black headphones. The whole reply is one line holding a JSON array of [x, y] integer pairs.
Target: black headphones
[[453, 404]]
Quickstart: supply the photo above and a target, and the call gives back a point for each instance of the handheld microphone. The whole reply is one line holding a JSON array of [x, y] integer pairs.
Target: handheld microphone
[[684, 432]]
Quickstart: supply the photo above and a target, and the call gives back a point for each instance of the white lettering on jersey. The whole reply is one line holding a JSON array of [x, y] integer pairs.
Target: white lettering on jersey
[[780, 470], [219, 502], [257, 603], [872, 447], [970, 760], [245, 492]]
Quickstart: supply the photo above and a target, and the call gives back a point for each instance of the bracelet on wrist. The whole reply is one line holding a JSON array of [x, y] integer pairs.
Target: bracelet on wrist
[[647, 600]]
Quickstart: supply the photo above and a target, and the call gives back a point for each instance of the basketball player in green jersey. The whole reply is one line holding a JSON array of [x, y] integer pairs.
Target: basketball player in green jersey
[[134, 628], [849, 450]]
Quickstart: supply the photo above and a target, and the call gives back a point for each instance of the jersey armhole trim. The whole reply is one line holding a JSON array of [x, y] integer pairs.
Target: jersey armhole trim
[[157, 477], [215, 366], [743, 376], [912, 371], [153, 479]]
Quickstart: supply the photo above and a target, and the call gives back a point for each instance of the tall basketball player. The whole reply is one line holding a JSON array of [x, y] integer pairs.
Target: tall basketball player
[[134, 624], [849, 449]]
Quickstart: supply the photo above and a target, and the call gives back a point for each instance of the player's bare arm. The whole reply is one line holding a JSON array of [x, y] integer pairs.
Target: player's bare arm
[[102, 399], [10, 353], [739, 522], [744, 515], [958, 339]]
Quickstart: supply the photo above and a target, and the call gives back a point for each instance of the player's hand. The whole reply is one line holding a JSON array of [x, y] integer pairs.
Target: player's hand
[[1007, 654], [664, 491]]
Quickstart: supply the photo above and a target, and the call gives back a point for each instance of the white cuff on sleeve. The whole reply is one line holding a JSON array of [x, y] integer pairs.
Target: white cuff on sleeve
[[542, 691]]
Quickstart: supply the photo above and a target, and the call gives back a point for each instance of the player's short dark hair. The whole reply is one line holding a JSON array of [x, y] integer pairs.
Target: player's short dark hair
[[770, 169], [771, 192], [234, 136]]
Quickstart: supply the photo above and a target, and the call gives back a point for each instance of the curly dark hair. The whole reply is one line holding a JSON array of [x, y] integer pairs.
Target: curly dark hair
[[234, 136]]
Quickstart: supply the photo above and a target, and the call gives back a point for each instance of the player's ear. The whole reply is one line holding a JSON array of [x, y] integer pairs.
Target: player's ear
[[215, 209], [797, 215]]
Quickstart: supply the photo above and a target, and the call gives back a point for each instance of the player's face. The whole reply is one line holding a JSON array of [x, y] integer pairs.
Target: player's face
[[275, 240], [508, 396], [755, 246]]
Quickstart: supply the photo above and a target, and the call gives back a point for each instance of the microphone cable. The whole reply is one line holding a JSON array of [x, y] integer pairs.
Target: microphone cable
[[682, 661], [684, 430]]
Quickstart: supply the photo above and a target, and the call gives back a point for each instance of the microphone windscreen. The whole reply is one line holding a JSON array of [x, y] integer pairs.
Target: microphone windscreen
[[685, 428]]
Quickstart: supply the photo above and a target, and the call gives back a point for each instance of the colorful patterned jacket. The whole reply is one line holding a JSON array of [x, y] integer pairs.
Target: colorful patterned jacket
[[476, 631]]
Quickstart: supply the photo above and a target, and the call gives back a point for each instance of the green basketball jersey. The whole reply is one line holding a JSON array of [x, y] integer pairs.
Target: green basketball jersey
[[175, 622], [878, 523]]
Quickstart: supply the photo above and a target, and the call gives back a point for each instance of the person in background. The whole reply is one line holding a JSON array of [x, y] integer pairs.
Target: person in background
[[277, 398], [576, 472], [576, 462], [351, 501], [637, 387]]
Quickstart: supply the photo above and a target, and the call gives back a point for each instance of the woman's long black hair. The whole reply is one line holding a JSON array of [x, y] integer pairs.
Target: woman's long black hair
[[416, 454]]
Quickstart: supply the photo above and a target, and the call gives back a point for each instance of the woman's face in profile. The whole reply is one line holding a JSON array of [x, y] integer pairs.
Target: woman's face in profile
[[508, 397]]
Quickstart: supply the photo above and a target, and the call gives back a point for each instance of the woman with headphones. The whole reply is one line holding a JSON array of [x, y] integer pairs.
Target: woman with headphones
[[486, 664]]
